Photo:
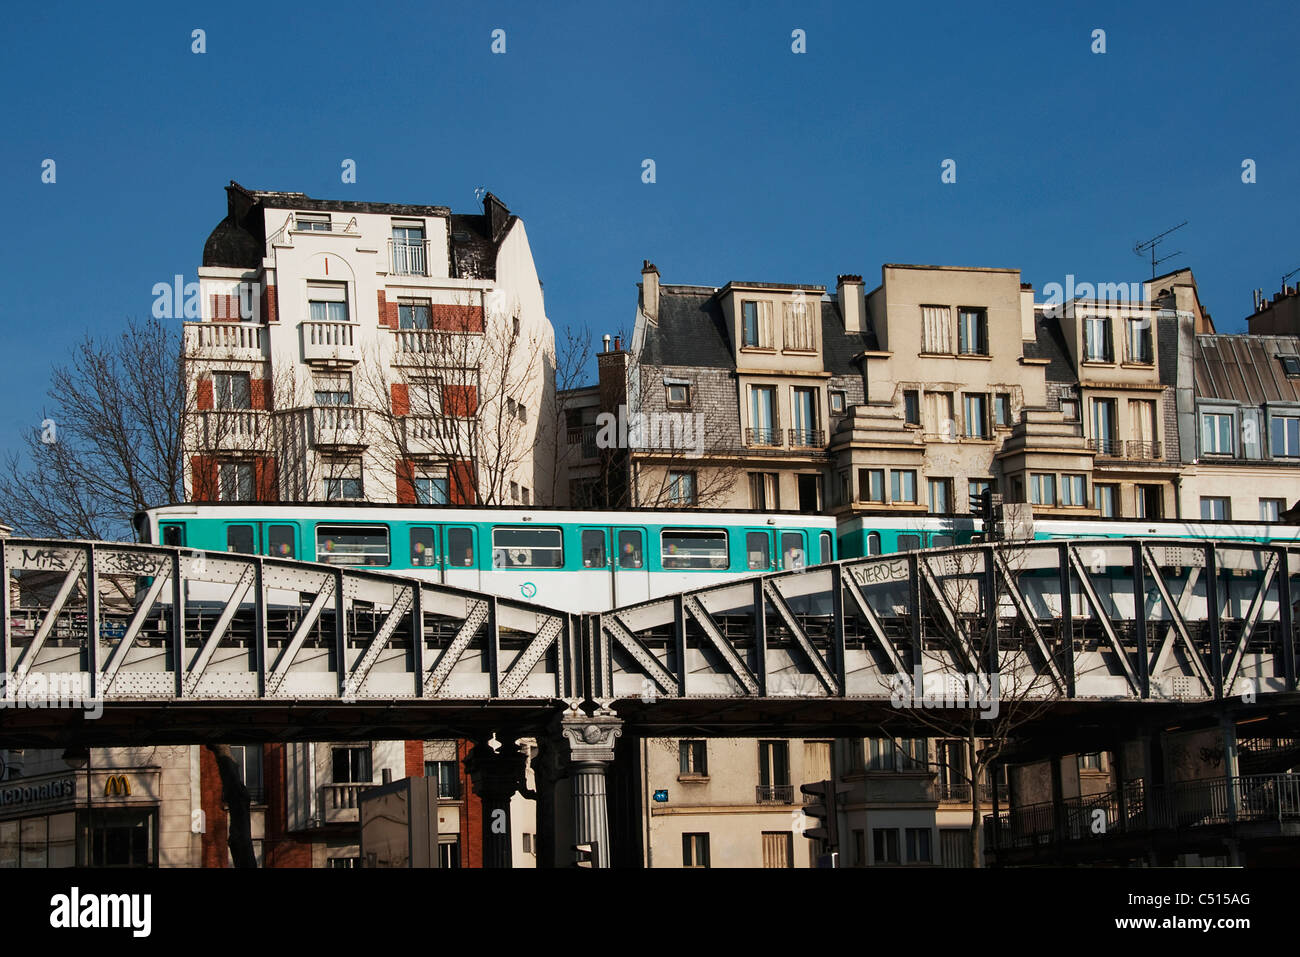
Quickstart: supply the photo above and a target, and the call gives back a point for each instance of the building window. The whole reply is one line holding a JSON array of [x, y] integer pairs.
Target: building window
[[344, 482], [334, 389], [1090, 761], [912, 407], [843, 490], [695, 850], [678, 395], [311, 222], [1074, 491], [940, 496], [449, 854], [1271, 509], [918, 845], [1070, 410], [972, 332], [681, 488], [1290, 366], [414, 314], [936, 330], [248, 760], [1215, 508], [884, 843], [1216, 433], [1150, 501], [1139, 341], [431, 490], [871, 485], [1002, 410], [975, 489], [1042, 488], [231, 390], [800, 330], [762, 408], [1105, 498], [692, 757], [774, 770], [778, 849], [977, 415], [838, 401], [1105, 426], [803, 409], [880, 754], [352, 765], [409, 250], [1097, 345], [902, 486], [859, 847], [756, 325], [448, 779], [236, 479], [1285, 433], [764, 491], [327, 302]]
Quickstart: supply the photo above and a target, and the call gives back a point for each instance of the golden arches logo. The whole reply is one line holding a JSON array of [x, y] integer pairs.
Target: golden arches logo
[[117, 785]]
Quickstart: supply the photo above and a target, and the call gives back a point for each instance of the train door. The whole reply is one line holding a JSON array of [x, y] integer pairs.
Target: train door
[[461, 559], [631, 570], [590, 586], [759, 555], [425, 555], [794, 551]]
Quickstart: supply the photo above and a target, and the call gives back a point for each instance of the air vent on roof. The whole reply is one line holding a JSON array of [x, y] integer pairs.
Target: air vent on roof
[[461, 236]]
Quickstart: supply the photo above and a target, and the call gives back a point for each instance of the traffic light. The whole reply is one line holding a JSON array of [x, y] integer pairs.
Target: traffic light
[[586, 855], [991, 512], [826, 808]]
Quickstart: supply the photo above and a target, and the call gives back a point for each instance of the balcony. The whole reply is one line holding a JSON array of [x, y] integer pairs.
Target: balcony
[[329, 341], [586, 435], [338, 425], [763, 438], [960, 793], [409, 257], [774, 793], [235, 430], [1142, 451], [425, 435], [223, 340], [807, 439], [338, 803], [1107, 448]]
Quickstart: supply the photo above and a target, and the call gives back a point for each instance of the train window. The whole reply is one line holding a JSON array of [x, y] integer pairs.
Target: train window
[[629, 549], [691, 549], [460, 547], [792, 554], [424, 553], [939, 541], [279, 541], [352, 544], [757, 548], [239, 538], [909, 543], [827, 549], [173, 535], [527, 548], [593, 548], [873, 543]]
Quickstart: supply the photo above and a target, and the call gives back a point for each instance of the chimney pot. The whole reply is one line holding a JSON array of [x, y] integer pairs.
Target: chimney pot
[[618, 343], [605, 340]]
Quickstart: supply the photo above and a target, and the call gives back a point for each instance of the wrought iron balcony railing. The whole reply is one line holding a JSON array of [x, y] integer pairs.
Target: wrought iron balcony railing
[[774, 793], [1110, 448], [767, 438], [807, 439], [1142, 451]]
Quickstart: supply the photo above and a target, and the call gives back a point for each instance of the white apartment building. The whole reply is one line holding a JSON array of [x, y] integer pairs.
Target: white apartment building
[[369, 352]]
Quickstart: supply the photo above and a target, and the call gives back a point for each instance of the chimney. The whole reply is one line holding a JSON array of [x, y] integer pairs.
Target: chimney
[[618, 343], [650, 290], [853, 306]]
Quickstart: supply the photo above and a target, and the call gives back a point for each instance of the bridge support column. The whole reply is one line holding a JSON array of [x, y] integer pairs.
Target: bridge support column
[[496, 776], [591, 749]]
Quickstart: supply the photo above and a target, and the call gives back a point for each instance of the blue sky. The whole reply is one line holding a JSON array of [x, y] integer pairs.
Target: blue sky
[[770, 165]]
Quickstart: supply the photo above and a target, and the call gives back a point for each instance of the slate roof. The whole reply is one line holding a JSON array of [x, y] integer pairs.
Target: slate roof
[[1245, 368], [692, 331], [1049, 343]]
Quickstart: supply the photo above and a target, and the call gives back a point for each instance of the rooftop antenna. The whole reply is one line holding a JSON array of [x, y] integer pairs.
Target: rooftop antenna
[[1288, 276], [1142, 248], [480, 192]]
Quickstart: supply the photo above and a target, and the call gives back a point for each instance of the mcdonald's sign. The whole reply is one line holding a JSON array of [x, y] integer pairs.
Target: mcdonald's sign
[[117, 785]]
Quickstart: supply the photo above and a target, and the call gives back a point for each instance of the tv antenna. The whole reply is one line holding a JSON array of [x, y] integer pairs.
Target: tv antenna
[[1142, 248], [1288, 276]]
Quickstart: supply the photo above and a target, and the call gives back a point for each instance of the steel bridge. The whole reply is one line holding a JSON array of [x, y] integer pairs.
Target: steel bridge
[[175, 641]]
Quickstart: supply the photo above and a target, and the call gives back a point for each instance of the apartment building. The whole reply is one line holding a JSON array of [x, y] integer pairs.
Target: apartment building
[[369, 351]]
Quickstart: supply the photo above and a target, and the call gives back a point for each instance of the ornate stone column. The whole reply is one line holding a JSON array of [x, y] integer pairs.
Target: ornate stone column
[[496, 776], [591, 749]]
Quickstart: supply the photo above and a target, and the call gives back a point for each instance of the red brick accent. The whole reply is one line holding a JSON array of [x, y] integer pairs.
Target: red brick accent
[[387, 312], [259, 393], [405, 482], [401, 396], [203, 478], [462, 491], [279, 849], [224, 308], [216, 850], [453, 318], [269, 311], [460, 401], [204, 395], [415, 759], [264, 479], [471, 821]]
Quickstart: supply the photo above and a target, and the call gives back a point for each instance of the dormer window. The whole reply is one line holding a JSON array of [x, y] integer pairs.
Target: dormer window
[[312, 222], [756, 325], [409, 249], [678, 395], [1290, 366]]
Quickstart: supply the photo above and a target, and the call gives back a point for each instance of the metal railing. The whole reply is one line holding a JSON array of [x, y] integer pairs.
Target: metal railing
[[410, 257], [1112, 448], [961, 792], [586, 435], [807, 438], [1142, 451], [328, 225], [770, 438], [774, 793]]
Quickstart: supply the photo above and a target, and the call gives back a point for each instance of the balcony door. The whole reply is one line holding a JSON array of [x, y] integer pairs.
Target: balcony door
[[1142, 427], [804, 414], [1105, 429], [762, 414], [774, 769]]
